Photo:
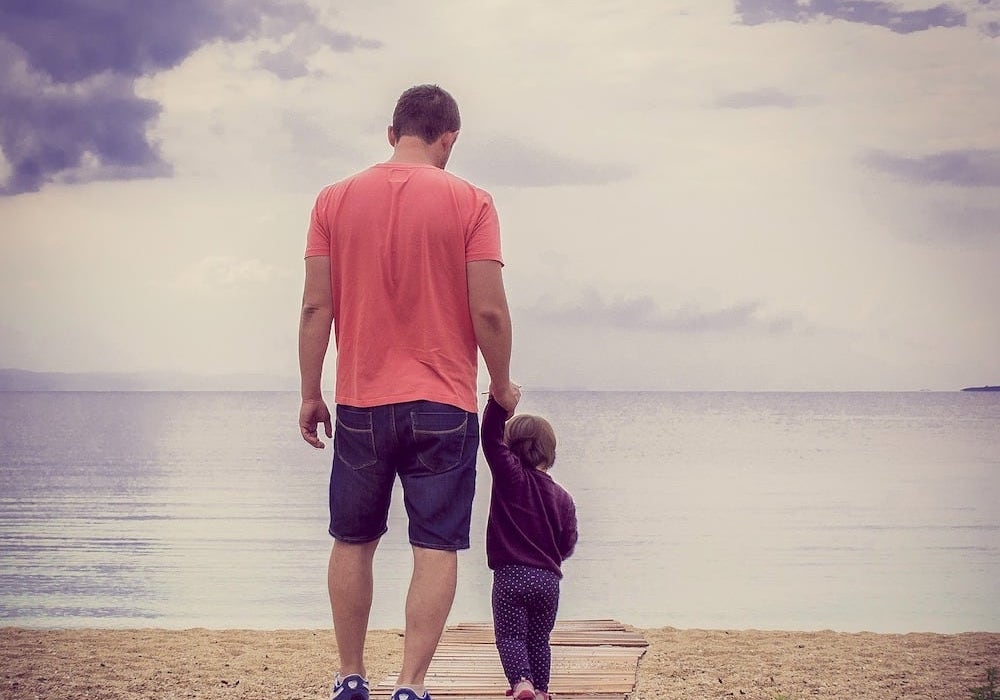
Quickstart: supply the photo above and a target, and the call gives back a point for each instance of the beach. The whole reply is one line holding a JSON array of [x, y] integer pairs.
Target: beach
[[678, 664], [171, 565]]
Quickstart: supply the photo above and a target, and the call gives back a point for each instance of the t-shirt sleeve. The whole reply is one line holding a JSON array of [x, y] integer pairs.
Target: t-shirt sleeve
[[483, 239], [318, 237]]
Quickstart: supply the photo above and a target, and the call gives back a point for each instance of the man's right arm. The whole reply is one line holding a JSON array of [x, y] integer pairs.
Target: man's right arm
[[314, 339], [492, 326]]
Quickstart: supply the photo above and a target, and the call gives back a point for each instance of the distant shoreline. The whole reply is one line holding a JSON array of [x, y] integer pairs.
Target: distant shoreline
[[13, 380], [26, 381]]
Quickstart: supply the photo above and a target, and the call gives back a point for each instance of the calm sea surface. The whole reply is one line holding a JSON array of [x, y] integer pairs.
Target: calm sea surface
[[845, 511]]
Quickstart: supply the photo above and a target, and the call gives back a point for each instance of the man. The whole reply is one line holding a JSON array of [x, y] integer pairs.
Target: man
[[403, 259]]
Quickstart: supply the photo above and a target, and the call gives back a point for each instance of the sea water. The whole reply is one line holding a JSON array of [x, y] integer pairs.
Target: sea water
[[846, 511]]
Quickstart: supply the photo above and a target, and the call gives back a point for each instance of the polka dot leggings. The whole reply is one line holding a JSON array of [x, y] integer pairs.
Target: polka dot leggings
[[525, 601]]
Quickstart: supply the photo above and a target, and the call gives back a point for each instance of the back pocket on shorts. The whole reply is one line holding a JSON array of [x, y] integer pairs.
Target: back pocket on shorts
[[439, 438], [354, 440]]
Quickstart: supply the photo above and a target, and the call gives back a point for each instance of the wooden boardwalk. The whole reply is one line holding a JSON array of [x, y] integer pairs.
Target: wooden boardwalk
[[591, 660]]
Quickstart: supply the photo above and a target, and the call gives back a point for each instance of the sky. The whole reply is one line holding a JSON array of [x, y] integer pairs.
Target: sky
[[749, 195]]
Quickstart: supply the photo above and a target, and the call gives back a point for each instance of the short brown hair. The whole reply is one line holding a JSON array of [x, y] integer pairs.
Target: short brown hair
[[532, 439], [426, 111]]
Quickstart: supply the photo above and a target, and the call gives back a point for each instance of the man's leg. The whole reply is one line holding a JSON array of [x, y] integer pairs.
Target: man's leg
[[437, 469], [349, 580], [428, 602]]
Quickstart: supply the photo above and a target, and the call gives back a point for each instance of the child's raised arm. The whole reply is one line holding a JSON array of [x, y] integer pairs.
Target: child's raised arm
[[504, 464]]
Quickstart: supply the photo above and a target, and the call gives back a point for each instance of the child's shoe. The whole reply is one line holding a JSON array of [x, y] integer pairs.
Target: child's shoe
[[524, 690]]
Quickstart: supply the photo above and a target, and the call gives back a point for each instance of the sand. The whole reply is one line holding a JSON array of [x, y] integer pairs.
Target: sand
[[679, 663]]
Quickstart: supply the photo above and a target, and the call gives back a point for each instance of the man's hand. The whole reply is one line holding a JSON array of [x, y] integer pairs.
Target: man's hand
[[311, 414], [507, 396]]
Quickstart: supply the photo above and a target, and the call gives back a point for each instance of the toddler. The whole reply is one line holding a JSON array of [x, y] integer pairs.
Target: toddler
[[531, 531]]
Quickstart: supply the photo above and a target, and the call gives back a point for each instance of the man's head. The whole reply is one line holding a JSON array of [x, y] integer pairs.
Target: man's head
[[426, 111], [427, 117]]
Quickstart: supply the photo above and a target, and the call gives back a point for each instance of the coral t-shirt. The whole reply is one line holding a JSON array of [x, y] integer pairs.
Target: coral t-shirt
[[399, 236]]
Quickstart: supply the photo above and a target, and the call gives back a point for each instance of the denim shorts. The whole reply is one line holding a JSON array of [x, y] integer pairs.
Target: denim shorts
[[430, 446]]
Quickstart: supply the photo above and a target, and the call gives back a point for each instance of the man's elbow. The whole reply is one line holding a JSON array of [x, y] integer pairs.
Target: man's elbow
[[316, 312], [492, 317]]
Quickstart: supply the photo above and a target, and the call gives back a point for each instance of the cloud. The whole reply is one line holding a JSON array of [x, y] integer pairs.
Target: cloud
[[962, 168], [292, 61], [645, 314], [873, 12], [227, 273], [765, 97], [93, 129], [964, 222], [950, 219], [68, 69], [505, 161]]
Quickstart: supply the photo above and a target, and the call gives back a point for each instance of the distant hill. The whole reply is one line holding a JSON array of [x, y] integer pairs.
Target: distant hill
[[982, 388], [22, 380]]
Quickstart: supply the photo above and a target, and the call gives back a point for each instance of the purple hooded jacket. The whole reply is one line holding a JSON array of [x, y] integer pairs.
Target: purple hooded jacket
[[532, 518]]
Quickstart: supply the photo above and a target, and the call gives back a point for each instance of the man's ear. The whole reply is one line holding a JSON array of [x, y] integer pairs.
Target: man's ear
[[391, 135], [447, 141]]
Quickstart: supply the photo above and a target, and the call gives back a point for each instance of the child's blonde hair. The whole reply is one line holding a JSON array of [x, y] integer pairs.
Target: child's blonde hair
[[532, 439]]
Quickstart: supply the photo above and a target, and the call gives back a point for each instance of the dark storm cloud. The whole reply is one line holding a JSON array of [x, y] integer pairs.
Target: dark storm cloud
[[645, 313], [69, 40], [68, 108], [967, 168], [766, 97], [505, 161], [874, 12], [49, 135]]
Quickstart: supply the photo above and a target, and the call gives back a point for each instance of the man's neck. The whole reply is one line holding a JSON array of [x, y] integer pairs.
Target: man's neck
[[412, 149]]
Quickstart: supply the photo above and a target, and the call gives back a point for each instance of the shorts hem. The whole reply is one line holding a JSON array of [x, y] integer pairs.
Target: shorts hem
[[356, 540], [441, 547]]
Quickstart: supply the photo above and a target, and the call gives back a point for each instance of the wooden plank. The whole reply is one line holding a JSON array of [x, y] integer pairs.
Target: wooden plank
[[569, 632], [591, 660]]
